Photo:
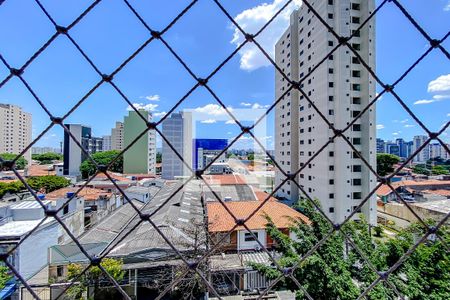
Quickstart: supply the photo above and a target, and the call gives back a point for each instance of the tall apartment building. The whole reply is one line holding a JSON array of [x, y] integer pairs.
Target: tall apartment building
[[141, 157], [340, 88], [424, 154], [73, 155], [117, 137], [106, 143], [177, 128], [15, 130]]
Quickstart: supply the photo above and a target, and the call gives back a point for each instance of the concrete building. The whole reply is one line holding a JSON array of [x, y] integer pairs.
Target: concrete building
[[438, 151], [424, 154], [340, 88], [117, 137], [106, 143], [73, 155], [15, 130], [380, 146], [178, 130], [141, 157], [42, 150], [206, 150]]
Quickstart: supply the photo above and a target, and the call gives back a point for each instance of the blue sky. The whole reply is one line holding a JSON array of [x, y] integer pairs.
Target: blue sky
[[203, 38]]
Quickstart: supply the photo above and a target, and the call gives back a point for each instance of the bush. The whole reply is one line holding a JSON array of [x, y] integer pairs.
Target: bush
[[48, 157], [49, 183], [87, 168], [20, 163]]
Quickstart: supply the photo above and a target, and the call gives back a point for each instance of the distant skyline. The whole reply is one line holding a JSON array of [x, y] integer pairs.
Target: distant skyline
[[156, 81]]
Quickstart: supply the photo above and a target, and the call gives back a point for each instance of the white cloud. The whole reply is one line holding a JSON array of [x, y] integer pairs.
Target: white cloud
[[440, 84], [246, 104], [441, 97], [259, 106], [404, 121], [159, 114], [447, 6], [230, 122], [251, 20], [380, 126], [213, 110], [148, 107], [409, 125], [448, 115], [208, 121], [152, 97], [424, 101], [396, 133]]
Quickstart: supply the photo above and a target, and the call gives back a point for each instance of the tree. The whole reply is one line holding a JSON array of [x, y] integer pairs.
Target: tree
[[439, 170], [94, 276], [20, 163], [385, 163], [47, 158], [4, 276], [421, 169], [336, 270], [250, 156], [158, 157], [87, 168], [48, 183]]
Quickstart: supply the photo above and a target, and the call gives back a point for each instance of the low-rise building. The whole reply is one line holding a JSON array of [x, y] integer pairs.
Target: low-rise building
[[143, 194]]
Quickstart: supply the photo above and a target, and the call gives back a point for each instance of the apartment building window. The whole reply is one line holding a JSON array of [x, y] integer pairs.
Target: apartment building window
[[302, 142], [302, 153], [356, 100], [356, 87], [356, 6], [309, 178], [356, 168], [356, 46], [330, 98], [309, 142], [355, 60], [331, 196], [330, 71], [331, 154], [331, 181], [356, 195], [330, 16], [331, 209], [356, 141], [330, 43], [355, 113], [66, 210], [356, 73], [356, 127], [248, 237], [330, 84], [356, 181], [356, 33], [330, 57], [355, 20], [331, 168], [331, 112]]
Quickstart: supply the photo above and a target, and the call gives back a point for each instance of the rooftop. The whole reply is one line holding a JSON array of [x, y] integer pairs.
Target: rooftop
[[441, 206], [221, 221], [385, 190], [89, 194], [19, 228]]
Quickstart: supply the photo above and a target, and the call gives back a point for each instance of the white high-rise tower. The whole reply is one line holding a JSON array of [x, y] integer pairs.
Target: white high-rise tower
[[340, 87]]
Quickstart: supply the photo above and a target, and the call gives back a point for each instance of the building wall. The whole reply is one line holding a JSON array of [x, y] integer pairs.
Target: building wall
[[141, 157], [178, 130], [15, 130], [106, 145], [340, 88], [117, 137], [251, 245]]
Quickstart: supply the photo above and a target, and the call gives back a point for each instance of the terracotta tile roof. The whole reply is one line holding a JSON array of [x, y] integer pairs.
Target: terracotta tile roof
[[384, 190], [261, 195], [445, 193], [40, 170], [89, 194], [221, 221], [227, 179], [116, 176]]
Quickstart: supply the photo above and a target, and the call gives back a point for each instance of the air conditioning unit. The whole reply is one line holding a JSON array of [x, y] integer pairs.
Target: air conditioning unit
[[258, 248]]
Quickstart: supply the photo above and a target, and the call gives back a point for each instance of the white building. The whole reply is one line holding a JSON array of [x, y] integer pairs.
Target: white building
[[178, 130], [424, 154], [117, 137], [106, 145], [340, 88], [15, 130]]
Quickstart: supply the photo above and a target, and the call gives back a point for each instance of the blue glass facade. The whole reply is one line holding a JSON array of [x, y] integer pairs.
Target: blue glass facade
[[207, 144]]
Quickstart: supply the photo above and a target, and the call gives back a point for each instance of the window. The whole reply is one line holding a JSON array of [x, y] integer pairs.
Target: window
[[331, 181], [356, 6], [330, 2], [356, 46], [331, 196], [248, 237], [331, 209], [356, 181], [356, 195], [330, 98], [331, 153], [356, 33], [356, 141], [355, 113], [330, 57], [330, 43], [331, 168], [356, 87], [356, 73], [356, 168], [66, 210], [60, 271], [356, 100], [331, 112], [355, 60], [330, 71], [330, 84], [330, 16], [355, 20], [356, 127]]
